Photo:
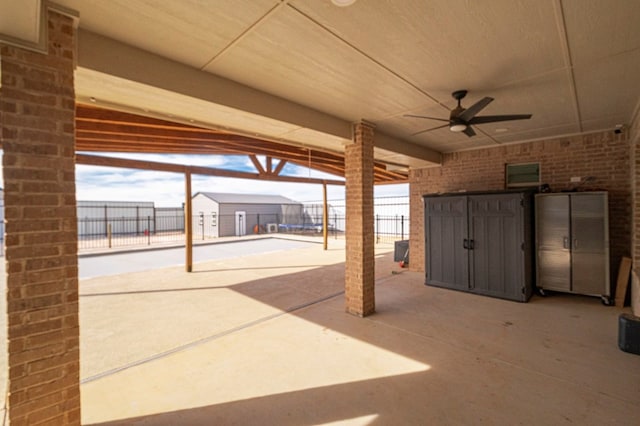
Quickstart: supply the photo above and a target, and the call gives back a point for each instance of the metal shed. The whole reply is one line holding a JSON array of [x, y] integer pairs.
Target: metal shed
[[224, 214]]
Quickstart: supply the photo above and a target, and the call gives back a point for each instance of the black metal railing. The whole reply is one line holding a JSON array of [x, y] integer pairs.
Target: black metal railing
[[121, 232], [105, 226]]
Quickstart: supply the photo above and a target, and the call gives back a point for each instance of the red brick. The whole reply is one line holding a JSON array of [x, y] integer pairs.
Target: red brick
[[359, 278], [600, 155], [37, 109]]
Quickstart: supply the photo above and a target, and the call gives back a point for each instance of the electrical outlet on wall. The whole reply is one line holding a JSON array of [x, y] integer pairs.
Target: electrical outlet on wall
[[576, 179]]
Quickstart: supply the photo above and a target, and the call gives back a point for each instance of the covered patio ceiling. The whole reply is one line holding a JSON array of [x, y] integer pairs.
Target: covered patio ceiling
[[300, 72], [109, 131]]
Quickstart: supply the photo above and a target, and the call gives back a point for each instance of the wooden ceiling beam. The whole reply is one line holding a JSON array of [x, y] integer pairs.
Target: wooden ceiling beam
[[102, 115], [95, 160], [264, 147], [199, 134], [248, 145], [96, 142], [257, 164], [130, 146], [279, 167], [102, 130], [137, 147], [98, 145]]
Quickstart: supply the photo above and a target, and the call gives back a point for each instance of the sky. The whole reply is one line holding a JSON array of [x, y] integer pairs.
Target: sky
[[95, 183]]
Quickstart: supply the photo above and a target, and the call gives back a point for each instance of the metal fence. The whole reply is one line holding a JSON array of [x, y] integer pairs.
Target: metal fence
[[216, 226], [118, 224], [391, 217], [123, 231], [111, 226]]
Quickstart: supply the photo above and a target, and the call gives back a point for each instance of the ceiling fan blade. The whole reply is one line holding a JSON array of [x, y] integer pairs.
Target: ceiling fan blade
[[423, 116], [428, 130], [470, 112], [469, 131], [495, 118]]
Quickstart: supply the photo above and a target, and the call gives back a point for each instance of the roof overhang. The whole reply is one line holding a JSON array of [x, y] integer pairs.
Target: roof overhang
[[118, 76]]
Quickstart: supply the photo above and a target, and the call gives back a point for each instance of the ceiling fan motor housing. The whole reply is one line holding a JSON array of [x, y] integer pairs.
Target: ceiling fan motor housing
[[458, 95], [456, 124], [461, 119]]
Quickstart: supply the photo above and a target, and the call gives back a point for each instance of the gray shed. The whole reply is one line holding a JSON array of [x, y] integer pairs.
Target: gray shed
[[219, 214]]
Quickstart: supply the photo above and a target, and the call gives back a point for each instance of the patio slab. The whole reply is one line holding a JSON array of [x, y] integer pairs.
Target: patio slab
[[265, 340]]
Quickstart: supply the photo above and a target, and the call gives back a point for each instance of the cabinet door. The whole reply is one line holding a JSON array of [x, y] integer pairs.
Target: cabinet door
[[553, 241], [589, 255], [445, 232], [496, 232]]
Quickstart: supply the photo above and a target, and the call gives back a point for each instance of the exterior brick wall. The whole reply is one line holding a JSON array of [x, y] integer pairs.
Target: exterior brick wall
[[37, 107], [634, 136], [604, 156], [359, 269]]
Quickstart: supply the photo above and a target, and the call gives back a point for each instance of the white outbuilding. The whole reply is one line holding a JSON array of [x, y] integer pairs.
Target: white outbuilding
[[219, 214]]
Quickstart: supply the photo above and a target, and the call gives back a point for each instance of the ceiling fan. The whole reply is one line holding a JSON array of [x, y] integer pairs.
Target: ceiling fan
[[461, 119]]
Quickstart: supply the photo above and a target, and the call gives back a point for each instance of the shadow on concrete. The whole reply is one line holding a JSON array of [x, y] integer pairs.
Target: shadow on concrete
[[320, 405], [497, 361], [260, 268]]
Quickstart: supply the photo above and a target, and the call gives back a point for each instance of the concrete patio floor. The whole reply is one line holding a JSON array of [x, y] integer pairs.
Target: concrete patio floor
[[264, 339]]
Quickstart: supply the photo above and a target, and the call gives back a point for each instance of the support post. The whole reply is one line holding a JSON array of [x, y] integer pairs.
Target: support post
[[188, 223], [360, 259], [37, 116], [325, 217]]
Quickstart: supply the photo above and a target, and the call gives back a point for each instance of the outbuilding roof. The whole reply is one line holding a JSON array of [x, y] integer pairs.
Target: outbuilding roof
[[227, 198]]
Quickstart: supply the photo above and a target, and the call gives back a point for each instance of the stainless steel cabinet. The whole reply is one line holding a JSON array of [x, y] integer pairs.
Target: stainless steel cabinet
[[572, 243], [480, 243]]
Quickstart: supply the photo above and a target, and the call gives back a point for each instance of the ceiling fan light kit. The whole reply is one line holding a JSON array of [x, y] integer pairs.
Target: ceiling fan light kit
[[457, 127], [343, 3], [461, 119]]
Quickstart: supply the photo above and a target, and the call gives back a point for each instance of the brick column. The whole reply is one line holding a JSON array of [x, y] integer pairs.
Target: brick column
[[359, 269], [634, 137], [37, 115]]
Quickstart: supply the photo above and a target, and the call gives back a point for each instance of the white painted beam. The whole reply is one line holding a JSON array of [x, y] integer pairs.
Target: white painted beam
[[406, 149], [23, 22], [111, 57], [20, 20]]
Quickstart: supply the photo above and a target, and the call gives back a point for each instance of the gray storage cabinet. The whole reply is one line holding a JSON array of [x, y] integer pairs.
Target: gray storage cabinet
[[480, 243], [572, 243]]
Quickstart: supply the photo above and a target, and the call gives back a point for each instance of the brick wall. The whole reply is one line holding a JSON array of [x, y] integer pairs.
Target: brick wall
[[37, 105], [634, 136], [359, 275], [605, 156]]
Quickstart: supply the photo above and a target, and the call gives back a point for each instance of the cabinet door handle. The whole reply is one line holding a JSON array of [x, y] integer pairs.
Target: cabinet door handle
[[465, 244], [565, 242], [471, 244]]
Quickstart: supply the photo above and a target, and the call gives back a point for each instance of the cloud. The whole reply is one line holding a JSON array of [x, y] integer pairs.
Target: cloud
[[219, 161]]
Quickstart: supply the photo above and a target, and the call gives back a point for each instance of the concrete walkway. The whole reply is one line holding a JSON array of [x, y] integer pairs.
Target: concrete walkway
[[264, 339], [139, 259]]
